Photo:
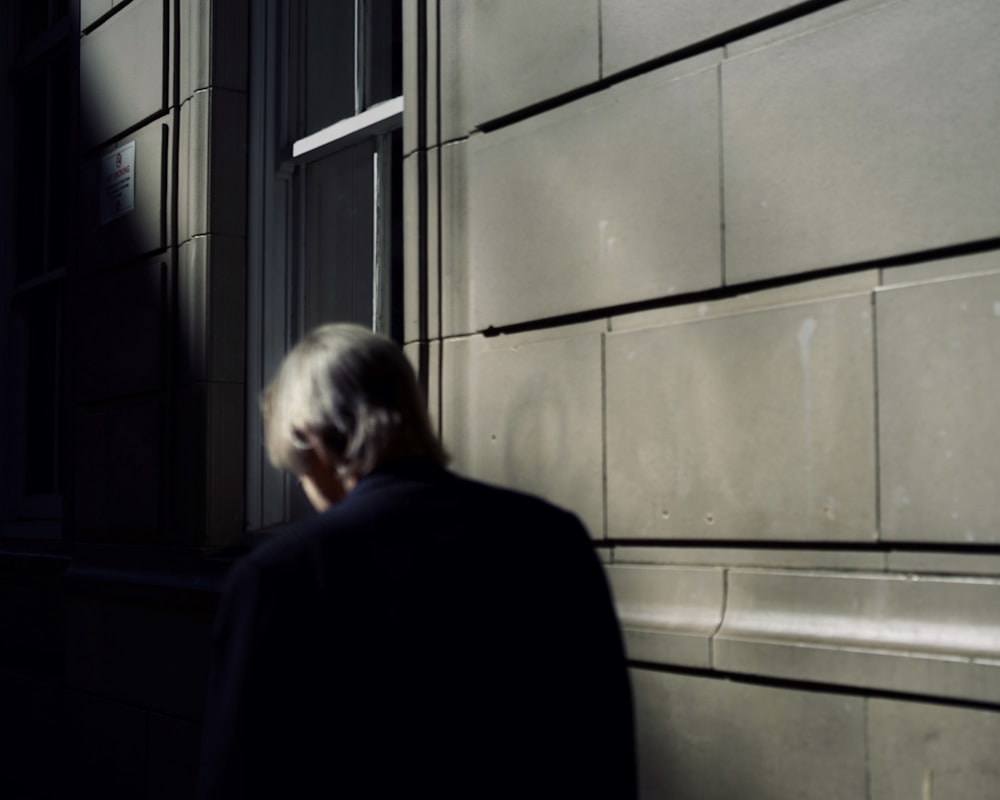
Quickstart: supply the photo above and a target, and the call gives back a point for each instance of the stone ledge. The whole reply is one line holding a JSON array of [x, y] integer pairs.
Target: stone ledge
[[931, 636], [668, 615]]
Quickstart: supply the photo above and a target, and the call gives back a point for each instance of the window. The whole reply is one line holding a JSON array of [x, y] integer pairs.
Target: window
[[41, 96], [325, 211]]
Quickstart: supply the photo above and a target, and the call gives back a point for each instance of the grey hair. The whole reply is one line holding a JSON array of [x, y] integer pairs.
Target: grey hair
[[356, 392]]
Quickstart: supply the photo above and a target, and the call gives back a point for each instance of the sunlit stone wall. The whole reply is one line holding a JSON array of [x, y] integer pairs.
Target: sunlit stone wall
[[724, 278]]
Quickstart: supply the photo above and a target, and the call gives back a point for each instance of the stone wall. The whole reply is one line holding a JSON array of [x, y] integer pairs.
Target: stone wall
[[724, 278], [105, 622]]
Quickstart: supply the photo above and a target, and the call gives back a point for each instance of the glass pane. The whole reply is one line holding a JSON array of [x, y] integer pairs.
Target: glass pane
[[41, 387], [60, 164], [33, 19], [384, 41], [32, 174], [329, 63], [339, 237]]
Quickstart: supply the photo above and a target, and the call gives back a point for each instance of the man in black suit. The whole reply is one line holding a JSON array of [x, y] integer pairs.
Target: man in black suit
[[423, 635]]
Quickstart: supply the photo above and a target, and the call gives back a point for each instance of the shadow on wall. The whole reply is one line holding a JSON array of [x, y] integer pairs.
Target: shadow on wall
[[709, 739], [152, 381], [104, 673]]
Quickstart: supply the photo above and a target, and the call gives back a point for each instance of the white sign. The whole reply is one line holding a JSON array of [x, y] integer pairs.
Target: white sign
[[118, 183]]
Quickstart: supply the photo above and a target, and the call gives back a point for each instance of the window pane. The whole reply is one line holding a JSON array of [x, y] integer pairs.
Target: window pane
[[41, 386], [329, 63], [384, 41], [339, 237], [31, 176], [33, 19], [60, 165]]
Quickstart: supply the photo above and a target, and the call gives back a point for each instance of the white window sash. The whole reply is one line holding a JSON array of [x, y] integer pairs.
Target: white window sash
[[377, 119]]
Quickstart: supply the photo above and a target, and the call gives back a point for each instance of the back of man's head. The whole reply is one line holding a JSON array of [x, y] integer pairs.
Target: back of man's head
[[355, 392]]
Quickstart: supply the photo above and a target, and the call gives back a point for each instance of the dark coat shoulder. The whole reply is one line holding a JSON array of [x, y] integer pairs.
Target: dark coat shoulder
[[430, 635]]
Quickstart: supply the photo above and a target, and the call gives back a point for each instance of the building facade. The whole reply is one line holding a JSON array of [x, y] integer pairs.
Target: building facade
[[723, 278]]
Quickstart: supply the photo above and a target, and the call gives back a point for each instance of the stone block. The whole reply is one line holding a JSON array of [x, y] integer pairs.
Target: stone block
[[457, 75], [108, 748], [119, 474], [724, 305], [612, 199], [455, 286], [414, 243], [526, 413], [716, 740], [933, 751], [33, 736], [422, 234], [30, 625], [802, 19], [213, 45], [174, 751], [114, 94], [933, 636], [668, 615], [430, 281], [141, 230], [212, 158], [93, 10], [634, 31], [425, 358], [957, 267], [938, 375], [523, 52], [840, 559], [934, 562], [118, 338], [211, 310], [861, 140], [413, 89], [143, 654], [752, 426], [208, 448]]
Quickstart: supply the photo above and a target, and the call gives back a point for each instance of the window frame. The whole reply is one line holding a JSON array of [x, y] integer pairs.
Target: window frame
[[276, 230], [49, 55]]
